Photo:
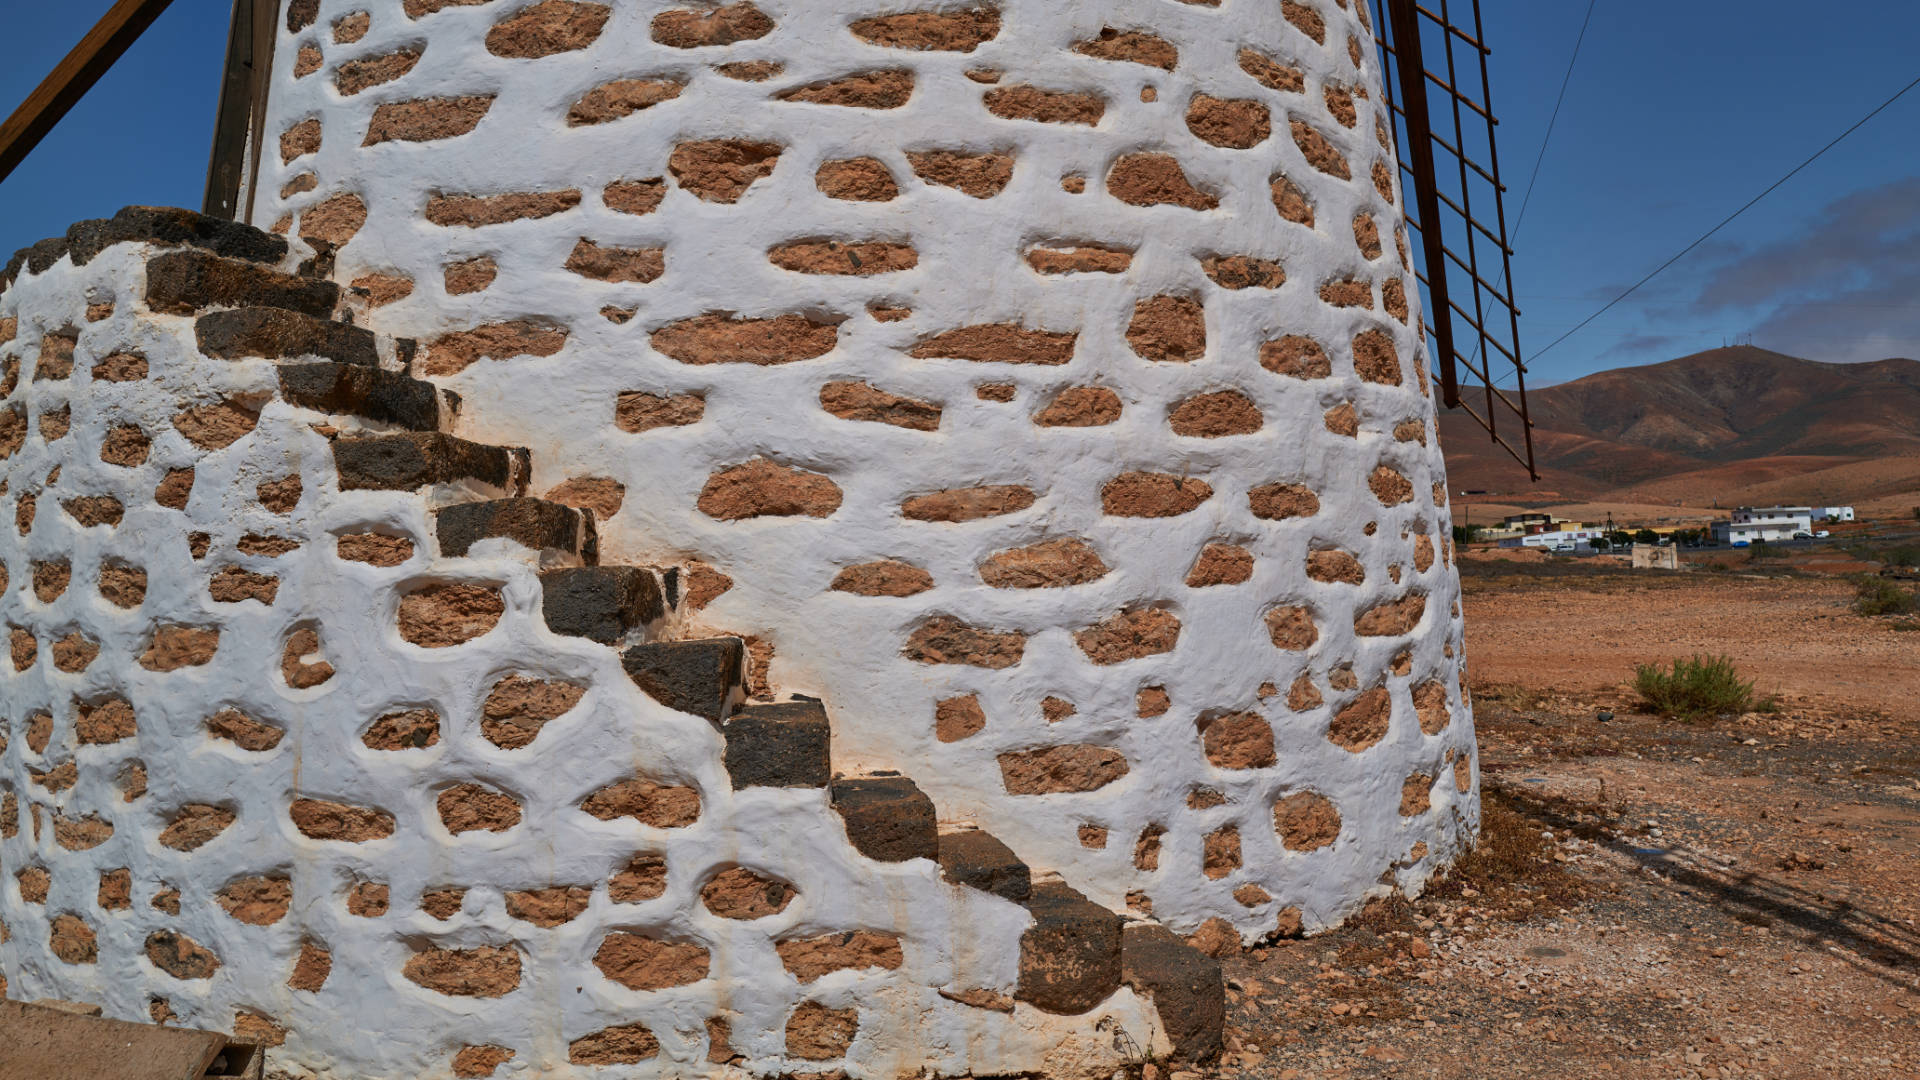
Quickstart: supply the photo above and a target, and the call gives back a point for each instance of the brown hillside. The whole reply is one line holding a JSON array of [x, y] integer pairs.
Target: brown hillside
[[1727, 424]]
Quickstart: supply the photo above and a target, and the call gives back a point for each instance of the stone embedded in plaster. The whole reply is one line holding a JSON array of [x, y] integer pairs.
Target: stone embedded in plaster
[[1244, 272], [622, 98], [1281, 501], [1051, 564], [1334, 566], [978, 860], [1347, 293], [548, 907], [1068, 768], [1000, 343], [1232, 123], [958, 718], [885, 89], [931, 31], [1390, 486], [944, 639], [518, 708], [844, 259], [982, 175], [257, 901], [807, 959], [743, 894], [1363, 722], [1131, 46], [240, 729], [616, 264], [727, 24], [278, 334], [365, 73], [1221, 564], [1220, 852], [601, 603], [299, 140], [1393, 298], [1306, 821], [547, 28], [1237, 740], [319, 819], [637, 412], [334, 221], [412, 460], [455, 352], [476, 211], [1292, 628], [408, 729], [1216, 415], [1130, 635], [852, 400], [643, 878], [473, 1062], [1152, 495], [1270, 73], [763, 488], [180, 956], [817, 1033], [301, 663], [1391, 618], [486, 971], [427, 119], [1080, 406], [1168, 328], [81, 834], [1041, 105], [1430, 704], [474, 808], [626, 1044], [885, 577], [722, 339], [1185, 985], [175, 646], [660, 806], [1055, 258], [638, 962], [445, 614], [861, 179]]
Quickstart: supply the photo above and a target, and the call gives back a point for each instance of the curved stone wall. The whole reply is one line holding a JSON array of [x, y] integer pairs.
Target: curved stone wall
[[1034, 380]]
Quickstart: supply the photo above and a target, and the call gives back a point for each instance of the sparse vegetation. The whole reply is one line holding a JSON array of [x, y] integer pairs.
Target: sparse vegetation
[[1698, 687], [1763, 550], [1878, 596]]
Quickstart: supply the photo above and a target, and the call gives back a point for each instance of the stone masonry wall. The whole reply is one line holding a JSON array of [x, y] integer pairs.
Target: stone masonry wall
[[298, 746], [1034, 380]]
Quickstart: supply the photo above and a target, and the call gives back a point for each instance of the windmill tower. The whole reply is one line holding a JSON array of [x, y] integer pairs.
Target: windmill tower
[[741, 539]]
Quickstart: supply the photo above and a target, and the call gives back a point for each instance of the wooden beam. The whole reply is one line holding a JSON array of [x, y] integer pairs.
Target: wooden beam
[[237, 130], [70, 80]]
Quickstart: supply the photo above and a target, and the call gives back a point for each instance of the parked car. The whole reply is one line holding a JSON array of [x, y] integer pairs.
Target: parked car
[[1563, 549], [1803, 536], [1821, 534]]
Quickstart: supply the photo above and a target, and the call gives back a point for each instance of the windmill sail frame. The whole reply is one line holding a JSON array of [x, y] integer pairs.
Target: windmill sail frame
[[1427, 106]]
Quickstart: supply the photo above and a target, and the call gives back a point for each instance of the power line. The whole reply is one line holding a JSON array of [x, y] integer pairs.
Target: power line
[[1728, 220], [1565, 80]]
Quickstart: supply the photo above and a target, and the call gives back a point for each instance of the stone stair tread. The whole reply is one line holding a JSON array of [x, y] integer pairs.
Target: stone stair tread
[[274, 333], [784, 744], [537, 524], [1070, 956], [366, 392], [979, 860], [601, 603], [1186, 986], [410, 460], [703, 677], [888, 818], [190, 280]]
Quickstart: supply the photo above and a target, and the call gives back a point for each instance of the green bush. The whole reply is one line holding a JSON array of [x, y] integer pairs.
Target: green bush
[[1878, 596], [1696, 688]]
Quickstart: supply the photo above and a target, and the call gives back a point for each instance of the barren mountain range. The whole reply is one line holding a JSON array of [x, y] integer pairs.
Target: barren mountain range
[[1728, 426]]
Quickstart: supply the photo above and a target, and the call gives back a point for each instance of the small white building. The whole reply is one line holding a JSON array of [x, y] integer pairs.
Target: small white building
[[1763, 524], [1577, 538], [1833, 513]]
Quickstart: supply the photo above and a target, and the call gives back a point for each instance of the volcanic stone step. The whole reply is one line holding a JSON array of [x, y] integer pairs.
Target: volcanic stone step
[[387, 397], [888, 818], [1186, 986], [536, 524], [273, 333], [977, 859], [184, 282], [162, 225], [412, 460], [789, 744], [1070, 956], [702, 677], [601, 603]]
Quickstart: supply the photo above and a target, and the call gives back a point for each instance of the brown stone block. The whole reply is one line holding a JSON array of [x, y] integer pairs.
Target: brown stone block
[[183, 282], [978, 860], [1071, 768], [1186, 986], [1070, 958], [888, 818]]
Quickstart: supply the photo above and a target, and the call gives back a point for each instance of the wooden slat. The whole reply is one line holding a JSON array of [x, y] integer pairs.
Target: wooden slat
[[70, 80]]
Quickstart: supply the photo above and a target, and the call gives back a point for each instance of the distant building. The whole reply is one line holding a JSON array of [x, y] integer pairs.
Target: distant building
[[1833, 513], [1763, 524], [1578, 539]]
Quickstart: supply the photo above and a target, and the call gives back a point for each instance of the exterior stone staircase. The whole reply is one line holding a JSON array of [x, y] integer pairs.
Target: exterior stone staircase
[[391, 431]]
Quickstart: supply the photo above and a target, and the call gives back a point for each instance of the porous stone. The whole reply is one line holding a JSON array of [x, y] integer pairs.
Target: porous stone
[[888, 818]]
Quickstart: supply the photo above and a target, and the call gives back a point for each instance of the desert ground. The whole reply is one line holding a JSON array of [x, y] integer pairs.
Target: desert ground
[[1732, 897]]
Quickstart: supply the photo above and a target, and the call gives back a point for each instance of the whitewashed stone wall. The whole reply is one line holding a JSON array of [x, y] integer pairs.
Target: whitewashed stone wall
[[625, 185]]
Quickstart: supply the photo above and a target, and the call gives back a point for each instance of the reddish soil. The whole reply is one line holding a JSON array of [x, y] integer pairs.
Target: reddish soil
[[1651, 899]]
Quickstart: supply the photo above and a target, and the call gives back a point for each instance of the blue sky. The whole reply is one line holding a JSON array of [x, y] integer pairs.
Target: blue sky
[[1677, 114]]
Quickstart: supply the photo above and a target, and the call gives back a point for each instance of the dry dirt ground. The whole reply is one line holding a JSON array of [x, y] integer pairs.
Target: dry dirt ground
[[1651, 899]]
